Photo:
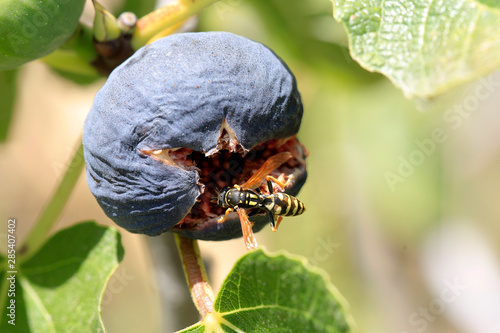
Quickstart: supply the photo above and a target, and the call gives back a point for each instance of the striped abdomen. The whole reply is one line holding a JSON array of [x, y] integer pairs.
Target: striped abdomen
[[283, 204]]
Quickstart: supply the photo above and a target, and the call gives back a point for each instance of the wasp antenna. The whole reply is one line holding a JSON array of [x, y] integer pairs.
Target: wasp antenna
[[214, 199]]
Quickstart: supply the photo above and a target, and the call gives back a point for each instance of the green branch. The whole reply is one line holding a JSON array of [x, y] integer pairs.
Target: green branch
[[38, 235], [155, 22]]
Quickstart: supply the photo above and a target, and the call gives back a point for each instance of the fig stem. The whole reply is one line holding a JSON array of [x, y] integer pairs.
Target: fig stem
[[38, 235], [167, 31], [157, 21], [105, 24], [195, 273]]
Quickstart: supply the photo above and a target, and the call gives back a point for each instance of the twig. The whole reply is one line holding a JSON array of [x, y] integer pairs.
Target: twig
[[38, 235]]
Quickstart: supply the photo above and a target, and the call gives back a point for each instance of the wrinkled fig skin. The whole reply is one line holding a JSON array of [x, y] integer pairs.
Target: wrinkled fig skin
[[176, 93]]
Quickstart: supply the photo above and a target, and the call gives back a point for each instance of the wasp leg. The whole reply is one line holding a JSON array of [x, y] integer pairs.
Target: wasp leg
[[280, 218], [281, 182], [270, 186], [271, 221], [222, 218]]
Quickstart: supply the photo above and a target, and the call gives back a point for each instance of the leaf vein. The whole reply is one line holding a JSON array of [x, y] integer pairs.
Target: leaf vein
[[53, 266], [39, 303]]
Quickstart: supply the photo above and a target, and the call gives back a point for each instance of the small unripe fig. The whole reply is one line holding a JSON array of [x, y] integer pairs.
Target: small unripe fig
[[182, 118], [31, 29]]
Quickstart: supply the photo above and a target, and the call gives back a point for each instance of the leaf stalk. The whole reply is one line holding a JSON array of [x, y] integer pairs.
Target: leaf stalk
[[196, 276]]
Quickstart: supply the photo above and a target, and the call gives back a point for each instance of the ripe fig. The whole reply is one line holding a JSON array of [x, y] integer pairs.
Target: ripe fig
[[182, 118], [31, 29]]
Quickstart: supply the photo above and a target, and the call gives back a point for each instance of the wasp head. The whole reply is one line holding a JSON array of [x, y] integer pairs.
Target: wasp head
[[221, 197]]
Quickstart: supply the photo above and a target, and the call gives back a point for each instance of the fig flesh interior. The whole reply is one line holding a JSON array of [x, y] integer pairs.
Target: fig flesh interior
[[226, 168]]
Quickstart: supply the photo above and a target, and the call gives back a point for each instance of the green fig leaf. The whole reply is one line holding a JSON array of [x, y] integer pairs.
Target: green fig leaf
[[8, 89], [59, 289], [31, 29], [424, 47], [275, 293]]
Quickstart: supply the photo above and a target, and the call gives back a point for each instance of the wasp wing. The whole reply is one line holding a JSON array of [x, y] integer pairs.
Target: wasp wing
[[270, 165], [246, 228]]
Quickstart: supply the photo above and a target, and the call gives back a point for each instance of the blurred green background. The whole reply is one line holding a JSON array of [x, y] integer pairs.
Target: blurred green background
[[402, 196]]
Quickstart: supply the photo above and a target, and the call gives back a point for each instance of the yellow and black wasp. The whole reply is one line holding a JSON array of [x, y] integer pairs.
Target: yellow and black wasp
[[248, 197]]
